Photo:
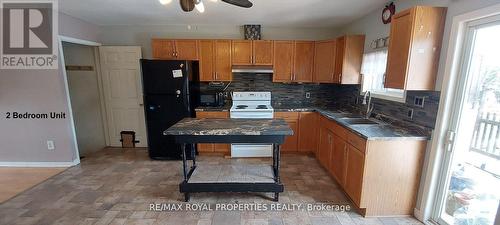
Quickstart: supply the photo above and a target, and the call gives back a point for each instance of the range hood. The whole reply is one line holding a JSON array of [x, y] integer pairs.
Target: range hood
[[252, 69]]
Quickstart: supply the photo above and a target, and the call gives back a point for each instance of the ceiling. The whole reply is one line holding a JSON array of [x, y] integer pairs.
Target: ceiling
[[274, 13]]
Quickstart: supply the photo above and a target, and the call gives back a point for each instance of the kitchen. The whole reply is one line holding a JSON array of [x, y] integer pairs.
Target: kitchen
[[348, 117]]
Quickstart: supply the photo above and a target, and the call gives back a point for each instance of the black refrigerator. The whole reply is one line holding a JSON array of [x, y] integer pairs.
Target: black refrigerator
[[171, 93]]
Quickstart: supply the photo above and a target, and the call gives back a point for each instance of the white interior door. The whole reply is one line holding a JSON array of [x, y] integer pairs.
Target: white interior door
[[121, 79]]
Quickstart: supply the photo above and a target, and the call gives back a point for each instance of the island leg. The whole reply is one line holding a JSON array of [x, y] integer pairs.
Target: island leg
[[184, 169], [276, 167], [193, 154]]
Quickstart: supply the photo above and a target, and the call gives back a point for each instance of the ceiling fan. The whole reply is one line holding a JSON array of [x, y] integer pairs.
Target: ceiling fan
[[189, 5]]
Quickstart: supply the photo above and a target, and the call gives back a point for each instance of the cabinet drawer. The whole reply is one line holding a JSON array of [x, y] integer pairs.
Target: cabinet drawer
[[340, 131], [356, 141], [219, 115], [287, 115], [327, 123]]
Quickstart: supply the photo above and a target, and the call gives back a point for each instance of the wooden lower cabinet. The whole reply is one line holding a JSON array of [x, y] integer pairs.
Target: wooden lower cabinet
[[308, 132], [325, 147], [291, 142], [354, 169], [338, 159], [213, 148], [381, 177]]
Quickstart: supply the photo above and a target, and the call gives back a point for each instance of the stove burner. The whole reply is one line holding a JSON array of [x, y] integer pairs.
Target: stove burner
[[242, 106], [262, 107]]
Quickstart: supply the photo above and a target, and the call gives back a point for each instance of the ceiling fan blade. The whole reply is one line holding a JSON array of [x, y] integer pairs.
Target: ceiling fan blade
[[187, 5], [240, 3]]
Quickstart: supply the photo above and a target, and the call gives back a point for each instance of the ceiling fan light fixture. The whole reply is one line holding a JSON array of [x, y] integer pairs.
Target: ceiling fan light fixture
[[199, 6], [165, 2]]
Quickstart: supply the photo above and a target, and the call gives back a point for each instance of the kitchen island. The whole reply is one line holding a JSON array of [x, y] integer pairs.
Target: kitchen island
[[262, 178]]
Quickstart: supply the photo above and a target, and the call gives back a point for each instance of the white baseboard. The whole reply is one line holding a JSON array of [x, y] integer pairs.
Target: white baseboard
[[39, 164]]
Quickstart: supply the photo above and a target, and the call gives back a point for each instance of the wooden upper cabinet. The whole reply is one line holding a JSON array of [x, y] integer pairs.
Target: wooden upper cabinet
[[242, 52], [257, 52], [324, 61], [163, 49], [223, 66], [348, 57], [303, 61], [215, 60], [175, 49], [283, 61], [414, 48], [207, 63], [293, 61], [186, 49], [263, 52]]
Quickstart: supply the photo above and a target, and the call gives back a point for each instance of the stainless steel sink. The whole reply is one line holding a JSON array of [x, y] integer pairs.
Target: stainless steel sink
[[358, 121]]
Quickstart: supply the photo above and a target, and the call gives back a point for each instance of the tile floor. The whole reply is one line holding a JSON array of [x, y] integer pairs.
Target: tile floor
[[115, 186]]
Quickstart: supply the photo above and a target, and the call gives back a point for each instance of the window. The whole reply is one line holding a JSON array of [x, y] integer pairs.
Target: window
[[373, 72]]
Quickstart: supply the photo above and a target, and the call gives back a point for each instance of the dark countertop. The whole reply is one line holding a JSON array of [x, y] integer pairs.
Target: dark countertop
[[384, 130], [224, 108], [248, 127]]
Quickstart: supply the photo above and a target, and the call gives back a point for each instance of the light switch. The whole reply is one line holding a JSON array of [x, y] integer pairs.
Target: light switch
[[50, 145]]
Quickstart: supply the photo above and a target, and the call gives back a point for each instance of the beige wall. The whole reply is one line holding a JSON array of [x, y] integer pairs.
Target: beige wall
[[141, 35], [85, 101], [39, 91]]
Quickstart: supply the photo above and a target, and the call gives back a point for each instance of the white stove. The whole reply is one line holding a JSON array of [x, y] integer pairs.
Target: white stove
[[251, 105]]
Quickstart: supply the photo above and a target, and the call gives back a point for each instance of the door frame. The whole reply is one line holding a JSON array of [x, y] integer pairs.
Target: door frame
[[451, 80], [61, 39]]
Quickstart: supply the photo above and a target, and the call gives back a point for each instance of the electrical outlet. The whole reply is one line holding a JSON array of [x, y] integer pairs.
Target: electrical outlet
[[308, 94], [419, 101], [50, 145], [410, 114]]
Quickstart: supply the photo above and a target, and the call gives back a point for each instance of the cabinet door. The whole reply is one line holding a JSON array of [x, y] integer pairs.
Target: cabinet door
[[291, 142], [163, 49], [207, 70], [283, 61], [399, 48], [221, 148], [339, 153], [339, 59], [353, 56], [354, 173], [308, 132], [186, 49], [325, 147], [263, 53], [303, 61], [324, 61], [223, 60], [242, 52]]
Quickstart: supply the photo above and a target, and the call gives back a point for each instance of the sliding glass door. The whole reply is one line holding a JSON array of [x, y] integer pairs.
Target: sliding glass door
[[469, 191]]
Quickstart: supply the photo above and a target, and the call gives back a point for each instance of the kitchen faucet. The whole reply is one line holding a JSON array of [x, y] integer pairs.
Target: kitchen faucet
[[369, 106]]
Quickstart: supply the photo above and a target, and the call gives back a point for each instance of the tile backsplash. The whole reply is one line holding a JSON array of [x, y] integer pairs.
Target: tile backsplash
[[334, 95]]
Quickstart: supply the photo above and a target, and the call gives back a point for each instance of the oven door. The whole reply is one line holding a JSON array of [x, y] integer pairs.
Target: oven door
[[251, 150]]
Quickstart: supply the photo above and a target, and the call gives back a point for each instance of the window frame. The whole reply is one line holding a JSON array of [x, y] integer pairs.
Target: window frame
[[378, 94]]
